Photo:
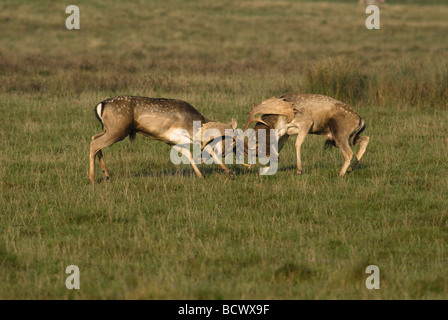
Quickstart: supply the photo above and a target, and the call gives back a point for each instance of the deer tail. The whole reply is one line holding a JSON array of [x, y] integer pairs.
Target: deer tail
[[99, 113], [355, 134]]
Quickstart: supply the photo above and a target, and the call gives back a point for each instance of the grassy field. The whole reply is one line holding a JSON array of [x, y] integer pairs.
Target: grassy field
[[159, 232]]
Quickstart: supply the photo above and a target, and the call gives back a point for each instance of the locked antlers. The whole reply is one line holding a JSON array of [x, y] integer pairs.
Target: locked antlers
[[270, 106]]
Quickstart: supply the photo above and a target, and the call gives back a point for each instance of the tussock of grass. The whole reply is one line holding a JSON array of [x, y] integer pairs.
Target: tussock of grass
[[405, 83], [423, 83], [340, 78]]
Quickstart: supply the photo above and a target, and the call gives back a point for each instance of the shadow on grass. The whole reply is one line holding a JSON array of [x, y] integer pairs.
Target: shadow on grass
[[188, 171], [212, 170]]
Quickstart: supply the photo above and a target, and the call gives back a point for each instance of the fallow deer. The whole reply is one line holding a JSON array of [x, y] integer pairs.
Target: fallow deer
[[167, 120], [301, 114]]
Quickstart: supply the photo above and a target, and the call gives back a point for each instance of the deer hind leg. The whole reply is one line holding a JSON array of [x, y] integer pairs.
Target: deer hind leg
[[101, 158], [363, 142], [99, 142], [103, 165], [347, 153], [341, 130], [186, 152]]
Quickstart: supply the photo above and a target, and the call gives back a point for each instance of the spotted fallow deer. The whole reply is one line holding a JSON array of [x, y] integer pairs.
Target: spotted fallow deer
[[156, 118], [301, 114]]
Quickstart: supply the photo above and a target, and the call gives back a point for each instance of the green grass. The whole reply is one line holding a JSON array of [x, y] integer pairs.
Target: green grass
[[157, 231]]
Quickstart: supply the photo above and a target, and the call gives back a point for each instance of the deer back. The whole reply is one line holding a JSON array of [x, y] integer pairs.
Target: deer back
[[321, 110], [154, 117]]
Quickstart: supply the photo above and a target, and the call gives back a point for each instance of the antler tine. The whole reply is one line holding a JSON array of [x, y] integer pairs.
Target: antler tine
[[252, 118]]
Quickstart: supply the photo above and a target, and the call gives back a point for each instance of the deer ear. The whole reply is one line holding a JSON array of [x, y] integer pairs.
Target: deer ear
[[234, 124]]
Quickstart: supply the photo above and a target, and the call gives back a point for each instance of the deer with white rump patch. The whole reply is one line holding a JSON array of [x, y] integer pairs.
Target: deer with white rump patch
[[301, 114], [167, 120]]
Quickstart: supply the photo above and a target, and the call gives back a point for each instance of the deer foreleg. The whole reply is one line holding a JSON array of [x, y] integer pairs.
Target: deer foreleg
[[210, 150], [301, 135], [186, 152]]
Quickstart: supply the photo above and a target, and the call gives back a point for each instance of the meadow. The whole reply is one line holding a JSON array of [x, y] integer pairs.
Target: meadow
[[157, 231]]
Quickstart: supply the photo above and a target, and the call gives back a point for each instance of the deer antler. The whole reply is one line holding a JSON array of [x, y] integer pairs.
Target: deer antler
[[252, 117], [270, 106]]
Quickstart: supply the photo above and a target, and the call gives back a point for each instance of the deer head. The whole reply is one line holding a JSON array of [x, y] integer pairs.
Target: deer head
[[212, 130], [268, 110]]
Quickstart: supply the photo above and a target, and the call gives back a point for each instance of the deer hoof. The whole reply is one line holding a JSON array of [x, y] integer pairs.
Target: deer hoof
[[230, 175]]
